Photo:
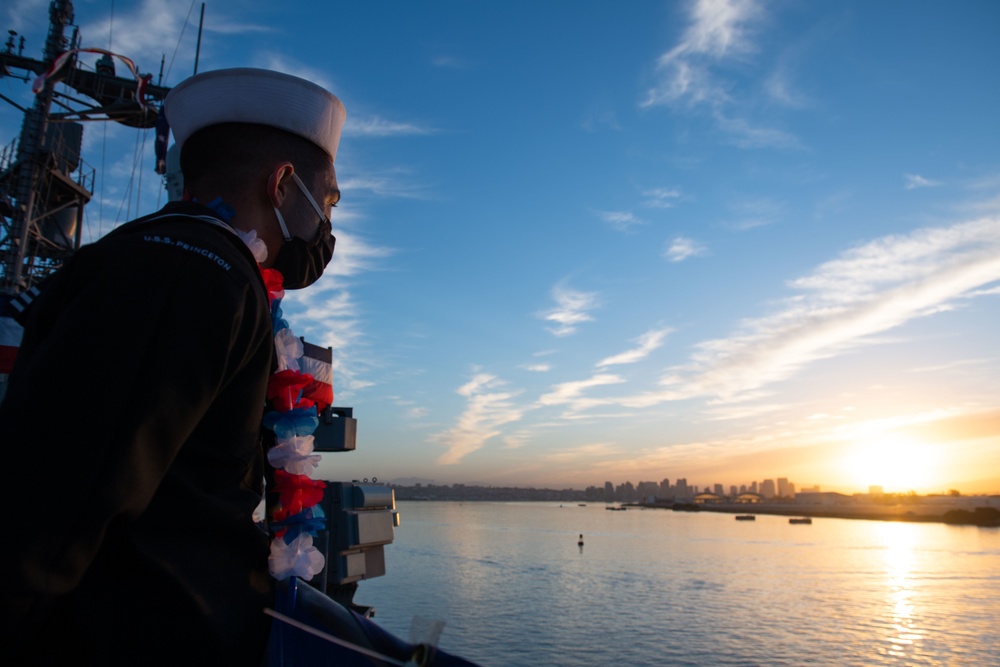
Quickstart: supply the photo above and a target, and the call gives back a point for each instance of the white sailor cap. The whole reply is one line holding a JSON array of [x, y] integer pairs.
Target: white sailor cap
[[247, 95]]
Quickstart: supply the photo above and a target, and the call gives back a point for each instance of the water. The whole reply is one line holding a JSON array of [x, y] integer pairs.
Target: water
[[655, 587]]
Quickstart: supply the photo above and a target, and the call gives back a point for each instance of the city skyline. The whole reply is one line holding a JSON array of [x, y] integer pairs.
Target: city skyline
[[781, 488], [581, 241]]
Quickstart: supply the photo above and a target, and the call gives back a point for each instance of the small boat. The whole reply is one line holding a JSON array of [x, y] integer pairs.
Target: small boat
[[746, 517], [581, 504], [804, 519]]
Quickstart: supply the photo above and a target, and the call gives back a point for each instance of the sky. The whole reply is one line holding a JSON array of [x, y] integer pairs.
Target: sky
[[583, 241]]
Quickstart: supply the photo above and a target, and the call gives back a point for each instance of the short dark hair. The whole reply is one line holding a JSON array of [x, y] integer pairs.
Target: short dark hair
[[229, 155]]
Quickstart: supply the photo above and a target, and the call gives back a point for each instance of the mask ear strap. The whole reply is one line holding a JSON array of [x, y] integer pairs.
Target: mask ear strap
[[281, 222], [272, 182], [305, 191]]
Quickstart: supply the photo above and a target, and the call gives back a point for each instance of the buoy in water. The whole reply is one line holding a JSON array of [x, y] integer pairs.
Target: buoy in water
[[580, 543]]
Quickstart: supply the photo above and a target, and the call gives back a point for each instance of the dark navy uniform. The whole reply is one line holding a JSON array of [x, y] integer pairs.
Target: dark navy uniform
[[132, 455]]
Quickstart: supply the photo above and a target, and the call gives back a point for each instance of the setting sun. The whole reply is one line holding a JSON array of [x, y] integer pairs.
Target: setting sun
[[894, 462]]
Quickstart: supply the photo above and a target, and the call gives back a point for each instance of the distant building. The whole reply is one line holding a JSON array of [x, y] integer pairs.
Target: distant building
[[783, 491], [646, 490], [748, 499], [733, 492], [767, 489], [823, 498], [707, 499], [875, 490], [625, 492], [718, 490]]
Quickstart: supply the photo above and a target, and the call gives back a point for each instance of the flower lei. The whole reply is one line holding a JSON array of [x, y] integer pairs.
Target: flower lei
[[296, 401], [296, 517]]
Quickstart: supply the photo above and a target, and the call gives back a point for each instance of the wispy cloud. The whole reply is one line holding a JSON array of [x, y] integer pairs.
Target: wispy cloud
[[536, 368], [572, 392], [282, 63], [375, 126], [988, 182], [739, 411], [596, 453], [571, 309], [21, 13], [175, 34], [915, 181], [755, 212], [961, 363], [621, 221], [353, 254], [779, 88], [647, 343], [661, 197], [681, 248], [488, 408], [387, 183], [327, 313], [327, 317], [744, 134], [989, 291], [867, 290], [779, 85], [842, 305], [719, 31]]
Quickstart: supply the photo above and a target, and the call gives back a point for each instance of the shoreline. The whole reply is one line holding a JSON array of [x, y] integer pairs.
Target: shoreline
[[982, 517]]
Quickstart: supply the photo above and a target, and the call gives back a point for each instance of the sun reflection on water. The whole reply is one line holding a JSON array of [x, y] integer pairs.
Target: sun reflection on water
[[899, 557]]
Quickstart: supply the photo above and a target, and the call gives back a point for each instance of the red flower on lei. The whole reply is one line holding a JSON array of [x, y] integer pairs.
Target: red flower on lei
[[284, 390], [274, 282], [295, 493]]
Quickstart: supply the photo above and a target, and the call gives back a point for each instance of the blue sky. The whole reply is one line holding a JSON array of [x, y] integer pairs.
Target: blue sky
[[584, 241]]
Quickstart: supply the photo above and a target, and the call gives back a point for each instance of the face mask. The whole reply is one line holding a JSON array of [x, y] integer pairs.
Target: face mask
[[302, 262]]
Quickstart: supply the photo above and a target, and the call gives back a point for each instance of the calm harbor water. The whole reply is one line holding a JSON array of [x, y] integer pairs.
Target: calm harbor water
[[655, 587]]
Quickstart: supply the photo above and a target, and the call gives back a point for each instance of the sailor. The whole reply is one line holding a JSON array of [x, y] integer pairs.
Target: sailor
[[131, 425]]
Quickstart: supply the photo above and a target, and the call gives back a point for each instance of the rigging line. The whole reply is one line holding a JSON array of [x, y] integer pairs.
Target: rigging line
[[127, 196], [100, 201], [160, 190], [111, 25], [142, 159], [187, 19], [104, 144]]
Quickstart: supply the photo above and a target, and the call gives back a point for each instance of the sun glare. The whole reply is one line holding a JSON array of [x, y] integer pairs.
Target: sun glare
[[896, 463]]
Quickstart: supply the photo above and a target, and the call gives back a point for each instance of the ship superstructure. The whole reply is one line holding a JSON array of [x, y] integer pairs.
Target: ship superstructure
[[44, 182]]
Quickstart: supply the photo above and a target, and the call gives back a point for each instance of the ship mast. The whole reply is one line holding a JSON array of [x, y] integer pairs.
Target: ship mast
[[44, 183]]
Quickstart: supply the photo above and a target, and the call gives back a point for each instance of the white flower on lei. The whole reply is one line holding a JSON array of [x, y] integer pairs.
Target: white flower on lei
[[257, 246], [288, 348], [293, 455], [298, 559]]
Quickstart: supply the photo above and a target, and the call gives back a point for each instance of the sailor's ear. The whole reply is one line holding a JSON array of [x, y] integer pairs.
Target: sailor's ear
[[279, 183]]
